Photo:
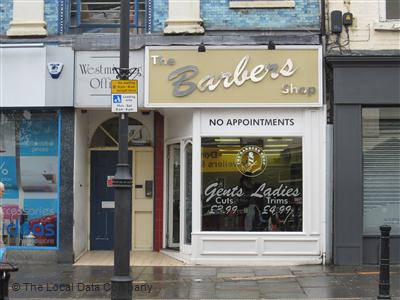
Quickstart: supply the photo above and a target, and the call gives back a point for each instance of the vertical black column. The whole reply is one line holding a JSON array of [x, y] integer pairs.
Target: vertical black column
[[121, 282], [65, 254]]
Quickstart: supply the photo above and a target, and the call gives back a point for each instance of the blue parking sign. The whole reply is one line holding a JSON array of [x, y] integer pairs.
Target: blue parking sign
[[117, 98]]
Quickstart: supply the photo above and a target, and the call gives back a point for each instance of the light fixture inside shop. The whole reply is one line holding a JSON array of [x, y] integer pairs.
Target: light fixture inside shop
[[230, 146], [273, 146], [279, 140], [227, 140], [273, 150]]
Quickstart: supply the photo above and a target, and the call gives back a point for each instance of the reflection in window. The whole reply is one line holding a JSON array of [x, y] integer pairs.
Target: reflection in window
[[252, 184], [381, 168], [29, 169], [106, 135]]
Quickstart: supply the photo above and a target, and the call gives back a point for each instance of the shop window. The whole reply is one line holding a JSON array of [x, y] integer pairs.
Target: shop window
[[106, 135], [29, 169], [104, 15], [252, 184], [381, 168]]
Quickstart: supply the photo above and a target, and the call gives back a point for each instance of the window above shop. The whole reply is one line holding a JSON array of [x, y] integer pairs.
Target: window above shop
[[104, 16], [389, 15]]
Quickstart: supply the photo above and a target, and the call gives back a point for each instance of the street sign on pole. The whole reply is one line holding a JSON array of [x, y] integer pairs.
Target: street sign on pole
[[121, 281], [124, 96]]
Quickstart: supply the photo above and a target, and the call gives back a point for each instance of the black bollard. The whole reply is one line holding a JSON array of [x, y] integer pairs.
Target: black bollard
[[384, 265], [4, 281], [5, 269]]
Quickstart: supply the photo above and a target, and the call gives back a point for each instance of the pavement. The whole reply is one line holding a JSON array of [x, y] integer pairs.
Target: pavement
[[54, 281]]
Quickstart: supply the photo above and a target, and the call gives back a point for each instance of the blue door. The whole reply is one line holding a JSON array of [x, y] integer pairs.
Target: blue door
[[102, 164]]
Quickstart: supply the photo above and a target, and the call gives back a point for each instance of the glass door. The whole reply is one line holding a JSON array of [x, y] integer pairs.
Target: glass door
[[174, 174]]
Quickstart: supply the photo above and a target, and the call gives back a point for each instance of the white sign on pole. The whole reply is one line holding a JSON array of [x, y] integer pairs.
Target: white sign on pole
[[124, 103]]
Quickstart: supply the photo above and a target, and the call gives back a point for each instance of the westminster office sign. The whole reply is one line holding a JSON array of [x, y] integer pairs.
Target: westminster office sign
[[234, 76], [94, 71]]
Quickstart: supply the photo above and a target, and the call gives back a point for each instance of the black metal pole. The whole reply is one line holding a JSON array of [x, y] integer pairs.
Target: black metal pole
[[121, 282], [384, 270], [4, 283]]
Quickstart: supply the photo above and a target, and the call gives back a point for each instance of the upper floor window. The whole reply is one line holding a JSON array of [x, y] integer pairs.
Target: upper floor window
[[392, 9], [389, 16], [104, 15]]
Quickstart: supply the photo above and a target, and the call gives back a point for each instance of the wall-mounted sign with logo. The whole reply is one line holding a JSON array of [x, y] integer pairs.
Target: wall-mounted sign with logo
[[94, 71], [234, 76]]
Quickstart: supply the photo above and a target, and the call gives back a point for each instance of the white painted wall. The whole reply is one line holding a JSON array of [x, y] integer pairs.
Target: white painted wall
[[22, 75], [370, 30], [81, 185], [178, 123]]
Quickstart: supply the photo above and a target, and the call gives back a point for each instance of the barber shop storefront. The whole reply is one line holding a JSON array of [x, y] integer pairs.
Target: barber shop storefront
[[244, 145]]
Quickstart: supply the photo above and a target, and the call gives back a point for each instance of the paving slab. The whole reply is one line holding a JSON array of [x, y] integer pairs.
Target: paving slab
[[297, 282]]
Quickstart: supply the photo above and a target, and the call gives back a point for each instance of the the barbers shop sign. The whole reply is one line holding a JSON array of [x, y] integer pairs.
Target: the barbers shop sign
[[94, 71], [234, 76]]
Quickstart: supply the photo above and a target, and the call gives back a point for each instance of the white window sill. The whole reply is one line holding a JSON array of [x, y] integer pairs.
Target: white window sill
[[387, 25], [262, 4]]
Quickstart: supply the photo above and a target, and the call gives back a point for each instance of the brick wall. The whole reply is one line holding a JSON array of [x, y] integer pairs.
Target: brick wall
[[5, 15], [51, 15], [217, 15], [160, 14]]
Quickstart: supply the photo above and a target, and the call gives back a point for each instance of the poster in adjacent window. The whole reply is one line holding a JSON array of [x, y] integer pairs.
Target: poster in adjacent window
[[29, 169]]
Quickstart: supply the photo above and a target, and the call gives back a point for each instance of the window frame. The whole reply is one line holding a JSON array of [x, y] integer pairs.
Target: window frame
[[383, 24], [80, 27], [382, 12]]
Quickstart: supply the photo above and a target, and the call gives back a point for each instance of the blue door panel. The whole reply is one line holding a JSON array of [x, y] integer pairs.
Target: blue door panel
[[102, 164]]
